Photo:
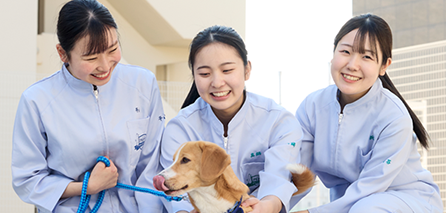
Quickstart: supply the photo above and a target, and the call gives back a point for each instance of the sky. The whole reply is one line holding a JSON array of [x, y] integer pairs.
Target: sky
[[295, 38]]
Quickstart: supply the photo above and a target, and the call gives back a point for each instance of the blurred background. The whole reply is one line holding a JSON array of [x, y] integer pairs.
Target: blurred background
[[290, 45]]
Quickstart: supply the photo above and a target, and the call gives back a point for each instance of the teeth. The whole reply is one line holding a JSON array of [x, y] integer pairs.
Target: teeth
[[349, 77], [101, 76], [219, 94]]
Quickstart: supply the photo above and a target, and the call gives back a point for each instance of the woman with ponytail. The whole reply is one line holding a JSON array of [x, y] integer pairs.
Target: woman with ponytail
[[359, 133], [260, 136]]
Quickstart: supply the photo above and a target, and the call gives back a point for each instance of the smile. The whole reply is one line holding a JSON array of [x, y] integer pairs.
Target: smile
[[101, 76], [349, 77], [220, 94]]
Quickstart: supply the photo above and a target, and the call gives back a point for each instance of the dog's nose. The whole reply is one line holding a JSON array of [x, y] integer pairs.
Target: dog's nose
[[158, 183]]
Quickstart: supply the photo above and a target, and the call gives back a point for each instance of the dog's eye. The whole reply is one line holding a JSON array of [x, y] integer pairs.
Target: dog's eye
[[185, 160]]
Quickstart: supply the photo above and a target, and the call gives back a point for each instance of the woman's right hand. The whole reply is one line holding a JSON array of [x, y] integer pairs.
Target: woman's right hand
[[102, 177]]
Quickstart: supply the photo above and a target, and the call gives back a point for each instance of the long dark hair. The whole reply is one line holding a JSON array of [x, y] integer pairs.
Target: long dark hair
[[79, 18], [222, 34], [378, 31]]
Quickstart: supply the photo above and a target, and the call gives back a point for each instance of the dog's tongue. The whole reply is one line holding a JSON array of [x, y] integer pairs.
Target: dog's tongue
[[158, 183]]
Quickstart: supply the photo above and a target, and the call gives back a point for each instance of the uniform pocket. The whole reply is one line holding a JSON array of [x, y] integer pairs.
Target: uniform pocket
[[250, 172], [137, 133]]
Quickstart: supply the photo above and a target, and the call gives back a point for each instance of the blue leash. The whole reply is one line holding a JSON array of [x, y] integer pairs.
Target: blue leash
[[85, 199]]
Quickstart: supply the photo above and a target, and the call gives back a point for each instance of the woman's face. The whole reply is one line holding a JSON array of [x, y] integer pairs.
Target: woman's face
[[220, 75], [95, 68], [355, 73]]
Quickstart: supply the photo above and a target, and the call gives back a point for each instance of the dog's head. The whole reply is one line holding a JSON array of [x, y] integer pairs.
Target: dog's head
[[196, 164]]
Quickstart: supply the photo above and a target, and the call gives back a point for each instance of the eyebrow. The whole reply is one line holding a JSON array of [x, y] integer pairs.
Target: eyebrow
[[114, 44], [206, 66], [366, 50]]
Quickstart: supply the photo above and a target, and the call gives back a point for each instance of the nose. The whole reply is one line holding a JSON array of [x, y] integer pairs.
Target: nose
[[218, 80], [353, 63], [104, 63]]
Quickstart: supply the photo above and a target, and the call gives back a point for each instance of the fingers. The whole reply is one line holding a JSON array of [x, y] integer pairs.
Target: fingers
[[250, 202]]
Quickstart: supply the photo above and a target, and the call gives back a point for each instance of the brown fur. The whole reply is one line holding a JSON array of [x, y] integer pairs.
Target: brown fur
[[211, 165]]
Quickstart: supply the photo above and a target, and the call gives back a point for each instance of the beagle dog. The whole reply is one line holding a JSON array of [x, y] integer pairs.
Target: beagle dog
[[202, 169]]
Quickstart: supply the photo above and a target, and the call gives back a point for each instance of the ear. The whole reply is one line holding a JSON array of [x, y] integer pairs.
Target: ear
[[247, 70], [214, 161], [383, 68], [62, 54]]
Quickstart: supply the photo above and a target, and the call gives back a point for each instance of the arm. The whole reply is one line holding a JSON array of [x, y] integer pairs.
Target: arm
[[148, 165], [394, 143], [284, 142], [32, 180], [307, 145]]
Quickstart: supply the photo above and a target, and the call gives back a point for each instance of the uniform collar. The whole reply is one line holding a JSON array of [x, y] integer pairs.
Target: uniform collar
[[74, 83], [370, 95], [237, 119]]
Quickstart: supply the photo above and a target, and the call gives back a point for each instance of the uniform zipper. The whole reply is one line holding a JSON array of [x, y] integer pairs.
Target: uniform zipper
[[340, 118], [95, 91], [96, 95]]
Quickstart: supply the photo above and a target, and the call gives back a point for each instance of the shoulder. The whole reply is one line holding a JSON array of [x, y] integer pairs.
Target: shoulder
[[390, 107], [45, 88], [261, 108], [131, 73], [196, 109]]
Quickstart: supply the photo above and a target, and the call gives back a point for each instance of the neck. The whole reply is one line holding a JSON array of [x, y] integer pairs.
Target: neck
[[225, 116]]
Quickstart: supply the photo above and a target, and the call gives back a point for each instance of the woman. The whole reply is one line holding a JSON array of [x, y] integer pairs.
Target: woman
[[358, 133], [93, 106], [260, 136]]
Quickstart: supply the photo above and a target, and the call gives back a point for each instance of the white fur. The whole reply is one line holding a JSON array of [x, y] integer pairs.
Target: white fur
[[296, 168], [168, 172], [206, 199]]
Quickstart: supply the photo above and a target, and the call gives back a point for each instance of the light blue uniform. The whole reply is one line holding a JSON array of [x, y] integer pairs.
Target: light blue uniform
[[262, 139], [61, 127], [367, 154]]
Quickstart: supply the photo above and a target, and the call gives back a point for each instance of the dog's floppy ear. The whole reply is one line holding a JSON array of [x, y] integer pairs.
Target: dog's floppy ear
[[214, 161]]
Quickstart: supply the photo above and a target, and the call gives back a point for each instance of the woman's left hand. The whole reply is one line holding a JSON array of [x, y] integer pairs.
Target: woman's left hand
[[268, 204]]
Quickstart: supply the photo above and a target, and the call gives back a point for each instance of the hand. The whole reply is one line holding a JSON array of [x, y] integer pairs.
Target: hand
[[267, 204], [303, 211], [102, 177]]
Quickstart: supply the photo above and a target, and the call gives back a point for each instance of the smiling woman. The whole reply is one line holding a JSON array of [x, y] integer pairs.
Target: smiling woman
[[94, 106], [260, 136], [359, 133]]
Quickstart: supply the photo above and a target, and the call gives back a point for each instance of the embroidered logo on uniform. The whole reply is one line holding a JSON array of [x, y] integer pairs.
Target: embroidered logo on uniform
[[371, 138], [292, 144], [256, 154], [162, 117], [140, 141], [388, 161], [252, 180], [137, 109]]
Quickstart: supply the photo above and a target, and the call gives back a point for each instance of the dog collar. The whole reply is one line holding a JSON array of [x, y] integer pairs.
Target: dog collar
[[236, 208]]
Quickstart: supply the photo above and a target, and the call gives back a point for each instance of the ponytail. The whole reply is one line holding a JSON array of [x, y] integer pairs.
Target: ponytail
[[418, 127], [191, 97]]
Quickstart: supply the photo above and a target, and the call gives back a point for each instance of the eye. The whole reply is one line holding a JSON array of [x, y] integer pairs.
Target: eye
[[368, 57], [203, 74], [345, 51], [185, 160], [91, 59], [229, 70], [114, 50]]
